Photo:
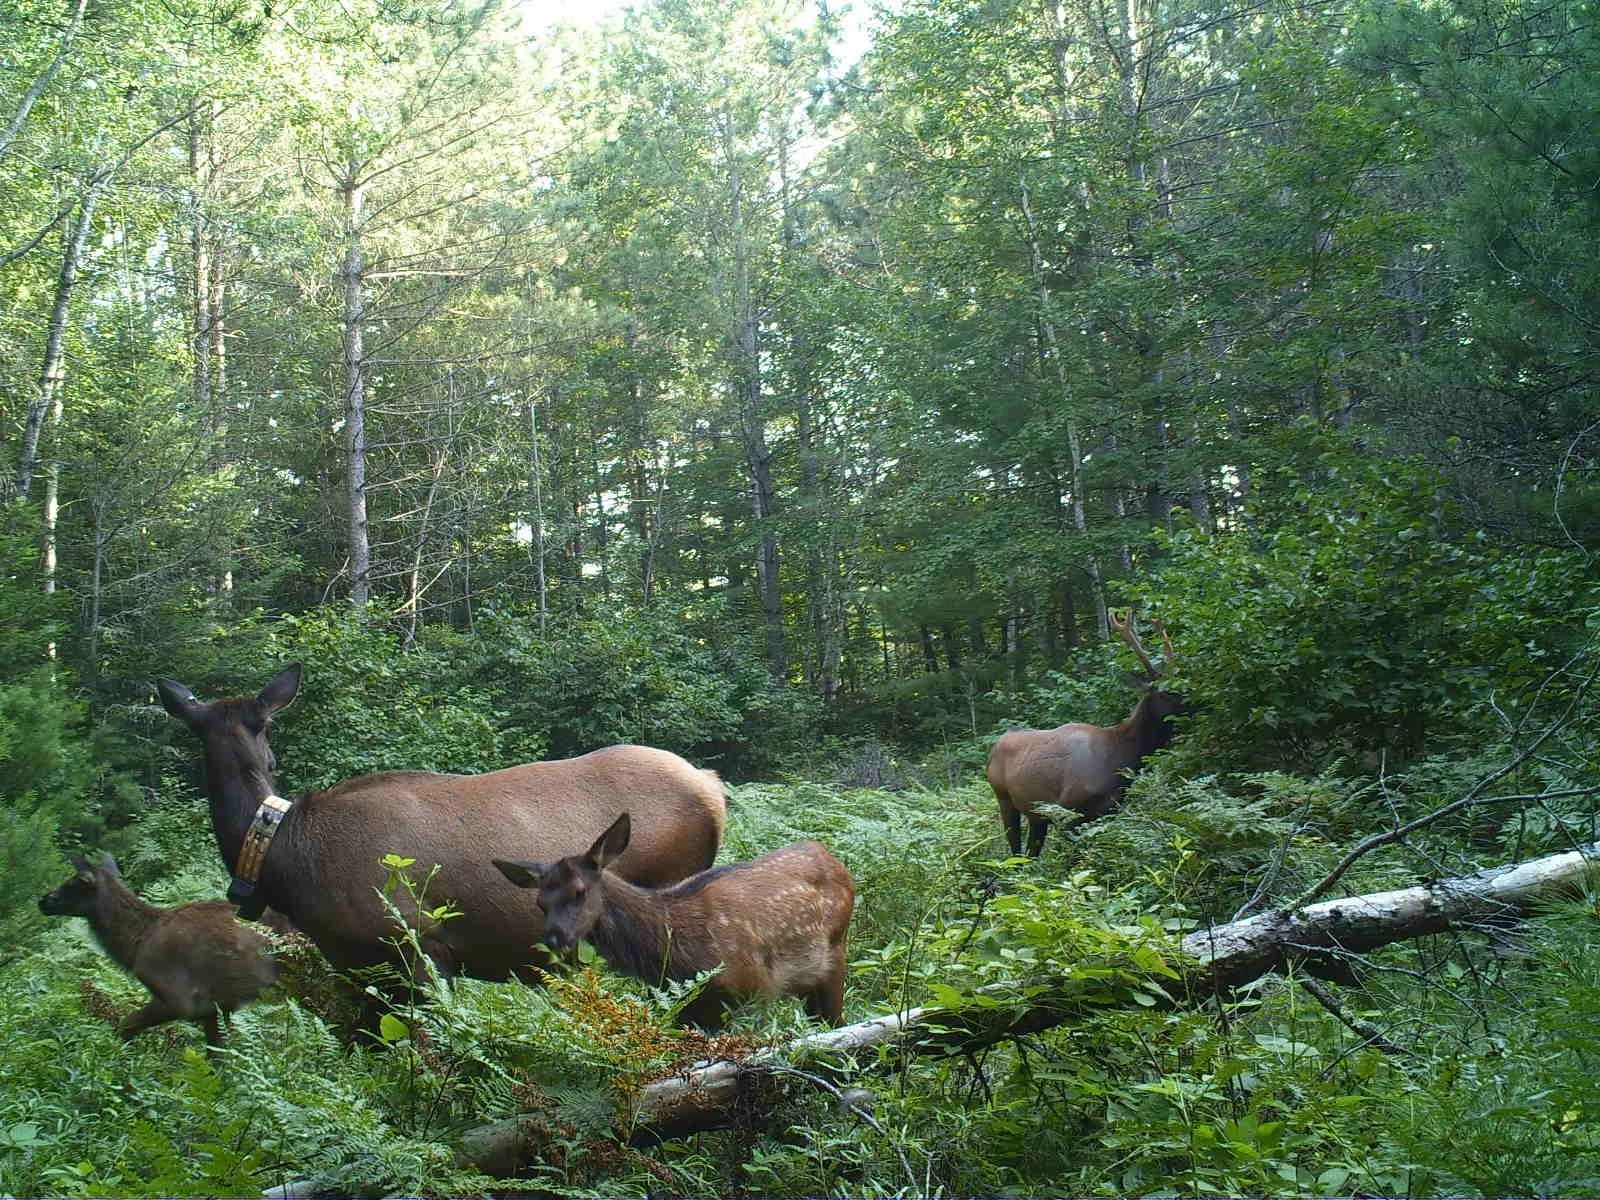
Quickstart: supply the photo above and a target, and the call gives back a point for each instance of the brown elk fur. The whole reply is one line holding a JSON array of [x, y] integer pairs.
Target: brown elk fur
[[1077, 767], [195, 959], [776, 924], [323, 868]]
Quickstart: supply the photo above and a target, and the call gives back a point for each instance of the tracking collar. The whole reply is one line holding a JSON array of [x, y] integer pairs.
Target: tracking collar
[[257, 841]]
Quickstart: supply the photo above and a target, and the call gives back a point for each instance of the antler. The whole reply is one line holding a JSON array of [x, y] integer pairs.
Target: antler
[[1125, 628], [1166, 641]]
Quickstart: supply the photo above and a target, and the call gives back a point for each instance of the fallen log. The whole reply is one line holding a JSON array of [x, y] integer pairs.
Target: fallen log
[[1205, 963]]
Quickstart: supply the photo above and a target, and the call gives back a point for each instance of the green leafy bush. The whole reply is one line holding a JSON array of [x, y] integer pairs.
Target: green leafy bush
[[1358, 615], [593, 681], [48, 777], [366, 702]]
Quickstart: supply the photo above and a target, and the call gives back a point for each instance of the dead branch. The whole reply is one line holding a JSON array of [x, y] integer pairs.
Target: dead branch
[[1209, 962]]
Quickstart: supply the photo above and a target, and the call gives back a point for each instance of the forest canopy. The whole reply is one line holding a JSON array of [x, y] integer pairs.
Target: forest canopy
[[804, 390]]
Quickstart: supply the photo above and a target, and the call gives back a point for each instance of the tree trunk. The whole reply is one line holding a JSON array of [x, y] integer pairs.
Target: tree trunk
[[102, 538], [355, 390], [437, 456], [602, 527], [52, 372], [43, 81], [50, 397], [536, 502], [1208, 962], [752, 418], [200, 279], [1047, 327]]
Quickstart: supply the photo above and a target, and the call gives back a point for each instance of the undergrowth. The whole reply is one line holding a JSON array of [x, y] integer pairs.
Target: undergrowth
[[1489, 1087]]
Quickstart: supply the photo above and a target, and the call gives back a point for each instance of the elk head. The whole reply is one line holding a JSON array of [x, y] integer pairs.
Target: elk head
[[571, 894], [1158, 704], [234, 731], [76, 897]]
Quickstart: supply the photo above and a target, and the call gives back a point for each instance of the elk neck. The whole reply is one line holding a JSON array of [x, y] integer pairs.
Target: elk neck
[[236, 786], [121, 920], [1145, 731], [636, 934]]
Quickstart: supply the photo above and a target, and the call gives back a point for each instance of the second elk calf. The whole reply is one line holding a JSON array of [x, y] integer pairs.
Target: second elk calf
[[196, 959], [776, 924]]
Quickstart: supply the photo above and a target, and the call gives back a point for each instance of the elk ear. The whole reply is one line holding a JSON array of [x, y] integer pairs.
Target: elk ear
[[523, 874], [1136, 681], [179, 701], [109, 865], [610, 844], [281, 689], [82, 865]]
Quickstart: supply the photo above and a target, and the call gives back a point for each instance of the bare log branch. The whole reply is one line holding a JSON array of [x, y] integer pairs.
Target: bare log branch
[[1208, 961], [1475, 795]]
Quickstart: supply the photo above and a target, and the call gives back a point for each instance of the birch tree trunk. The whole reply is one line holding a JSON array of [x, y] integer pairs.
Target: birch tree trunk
[[46, 400], [355, 388], [31, 97], [1208, 962]]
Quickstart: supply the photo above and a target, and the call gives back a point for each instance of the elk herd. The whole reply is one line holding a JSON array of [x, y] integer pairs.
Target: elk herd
[[614, 847]]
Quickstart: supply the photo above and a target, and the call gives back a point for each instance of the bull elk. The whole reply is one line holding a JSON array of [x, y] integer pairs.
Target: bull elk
[[196, 960], [1083, 768], [776, 925], [321, 867]]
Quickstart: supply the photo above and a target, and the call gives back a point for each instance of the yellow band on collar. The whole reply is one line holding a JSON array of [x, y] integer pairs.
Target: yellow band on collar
[[258, 837]]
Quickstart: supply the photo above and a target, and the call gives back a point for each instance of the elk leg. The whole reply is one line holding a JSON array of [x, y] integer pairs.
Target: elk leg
[[826, 1000], [1098, 806], [708, 1010], [1094, 806], [442, 956], [157, 1012], [1012, 820], [213, 1028], [1037, 828], [367, 1024]]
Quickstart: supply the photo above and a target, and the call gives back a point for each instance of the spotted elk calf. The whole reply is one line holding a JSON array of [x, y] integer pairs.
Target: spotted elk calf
[[776, 925]]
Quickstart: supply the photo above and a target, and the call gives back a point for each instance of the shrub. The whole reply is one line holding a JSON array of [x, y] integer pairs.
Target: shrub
[[593, 681], [366, 702], [1357, 615]]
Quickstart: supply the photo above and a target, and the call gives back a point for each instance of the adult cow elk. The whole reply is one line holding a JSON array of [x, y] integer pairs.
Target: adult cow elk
[[197, 961], [1079, 767], [776, 925], [322, 865]]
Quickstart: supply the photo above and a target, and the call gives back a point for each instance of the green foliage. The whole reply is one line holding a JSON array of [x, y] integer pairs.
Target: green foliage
[[1518, 1097], [1359, 615], [1503, 94], [1131, 1096], [365, 702], [170, 844], [1090, 689], [33, 867], [504, 694], [638, 676], [1167, 303], [47, 777]]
